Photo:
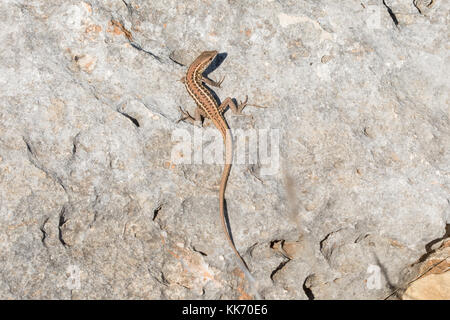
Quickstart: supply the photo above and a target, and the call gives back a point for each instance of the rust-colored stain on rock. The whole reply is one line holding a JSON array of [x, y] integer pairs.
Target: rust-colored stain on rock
[[117, 28]]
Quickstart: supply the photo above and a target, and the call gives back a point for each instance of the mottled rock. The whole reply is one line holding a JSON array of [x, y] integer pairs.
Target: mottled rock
[[97, 201]]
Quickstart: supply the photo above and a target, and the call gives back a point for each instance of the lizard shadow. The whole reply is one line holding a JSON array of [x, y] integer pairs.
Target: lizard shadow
[[218, 60]]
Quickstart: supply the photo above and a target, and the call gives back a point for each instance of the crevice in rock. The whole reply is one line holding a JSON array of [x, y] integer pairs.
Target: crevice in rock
[[321, 243], [138, 47], [418, 3], [416, 6], [251, 248], [280, 266], [201, 252], [129, 7], [61, 222], [134, 120], [361, 237], [278, 246], [93, 219], [156, 211], [391, 14], [130, 38], [323, 240], [35, 162], [164, 279], [274, 242], [44, 233], [30, 150], [161, 279], [122, 28], [175, 61], [74, 143], [429, 246], [307, 290]]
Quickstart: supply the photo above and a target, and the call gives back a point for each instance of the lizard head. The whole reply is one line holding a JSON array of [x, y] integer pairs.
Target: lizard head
[[206, 57]]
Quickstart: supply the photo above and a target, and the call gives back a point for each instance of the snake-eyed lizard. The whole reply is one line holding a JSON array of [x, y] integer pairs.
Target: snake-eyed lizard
[[207, 107]]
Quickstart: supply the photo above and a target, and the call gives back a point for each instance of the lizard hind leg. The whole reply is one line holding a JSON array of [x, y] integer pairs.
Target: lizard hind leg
[[237, 109], [194, 120]]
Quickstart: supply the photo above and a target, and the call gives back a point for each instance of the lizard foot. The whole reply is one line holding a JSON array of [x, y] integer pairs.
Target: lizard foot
[[186, 117], [242, 105], [220, 81]]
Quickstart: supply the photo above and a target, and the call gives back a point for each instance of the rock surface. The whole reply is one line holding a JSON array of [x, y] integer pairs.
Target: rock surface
[[94, 204], [433, 280]]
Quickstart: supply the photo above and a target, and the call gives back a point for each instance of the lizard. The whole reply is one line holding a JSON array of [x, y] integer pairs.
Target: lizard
[[207, 107]]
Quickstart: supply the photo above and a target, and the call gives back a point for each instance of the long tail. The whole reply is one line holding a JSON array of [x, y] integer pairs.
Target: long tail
[[223, 184]]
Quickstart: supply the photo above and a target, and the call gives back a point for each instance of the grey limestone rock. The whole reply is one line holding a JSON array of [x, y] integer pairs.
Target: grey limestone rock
[[93, 204]]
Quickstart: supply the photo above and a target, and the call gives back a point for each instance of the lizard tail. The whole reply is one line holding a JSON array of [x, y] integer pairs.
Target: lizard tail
[[226, 172], [223, 184]]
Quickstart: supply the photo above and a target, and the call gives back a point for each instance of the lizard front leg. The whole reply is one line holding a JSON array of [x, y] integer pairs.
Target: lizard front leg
[[208, 81], [212, 82]]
